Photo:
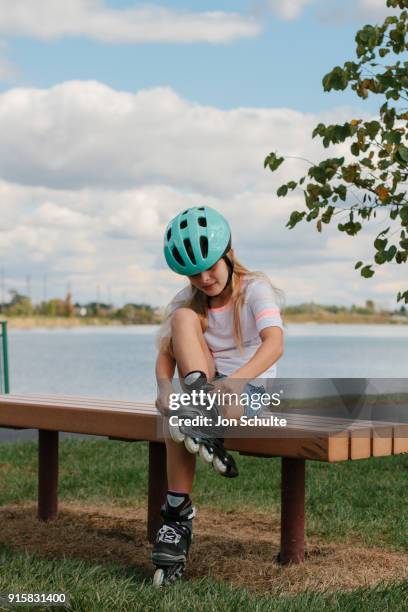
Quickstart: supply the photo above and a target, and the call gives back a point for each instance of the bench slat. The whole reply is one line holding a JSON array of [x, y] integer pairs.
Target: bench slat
[[308, 437], [400, 439], [73, 400]]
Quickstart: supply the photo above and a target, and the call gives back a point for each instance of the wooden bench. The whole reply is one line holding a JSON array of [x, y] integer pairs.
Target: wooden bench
[[305, 437]]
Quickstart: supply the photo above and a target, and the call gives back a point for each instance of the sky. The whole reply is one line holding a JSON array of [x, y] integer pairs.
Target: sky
[[117, 115]]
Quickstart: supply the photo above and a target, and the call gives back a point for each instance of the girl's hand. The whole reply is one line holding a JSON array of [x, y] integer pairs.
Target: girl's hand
[[229, 386], [163, 398]]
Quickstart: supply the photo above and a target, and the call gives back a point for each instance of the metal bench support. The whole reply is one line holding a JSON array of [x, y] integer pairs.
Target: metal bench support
[[293, 511], [157, 487], [47, 474]]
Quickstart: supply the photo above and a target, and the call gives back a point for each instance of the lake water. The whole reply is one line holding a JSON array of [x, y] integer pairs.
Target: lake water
[[118, 362]]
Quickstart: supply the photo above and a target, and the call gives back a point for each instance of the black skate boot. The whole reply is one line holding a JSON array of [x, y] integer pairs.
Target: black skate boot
[[173, 539], [205, 437]]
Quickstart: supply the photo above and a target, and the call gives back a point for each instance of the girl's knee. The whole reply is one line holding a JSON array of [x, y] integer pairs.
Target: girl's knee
[[183, 316]]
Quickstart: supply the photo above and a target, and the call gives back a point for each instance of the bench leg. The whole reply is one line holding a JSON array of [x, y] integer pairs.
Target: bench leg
[[157, 487], [47, 474], [292, 511]]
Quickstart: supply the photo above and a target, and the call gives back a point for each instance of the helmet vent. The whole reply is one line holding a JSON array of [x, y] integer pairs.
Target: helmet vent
[[189, 250], [201, 208], [204, 245], [183, 224], [202, 221], [169, 233], [177, 256]]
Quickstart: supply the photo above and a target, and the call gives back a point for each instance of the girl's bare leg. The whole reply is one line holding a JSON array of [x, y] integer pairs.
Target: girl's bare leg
[[191, 353]]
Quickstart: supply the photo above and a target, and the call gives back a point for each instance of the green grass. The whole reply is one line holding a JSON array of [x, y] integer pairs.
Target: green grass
[[361, 499], [109, 587], [343, 499]]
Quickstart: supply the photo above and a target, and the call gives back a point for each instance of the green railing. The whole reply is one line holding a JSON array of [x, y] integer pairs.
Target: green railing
[[4, 367]]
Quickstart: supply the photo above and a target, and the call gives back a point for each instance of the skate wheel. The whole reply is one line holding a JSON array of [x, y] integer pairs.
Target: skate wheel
[[206, 455], [219, 466], [176, 434], [158, 578], [191, 445]]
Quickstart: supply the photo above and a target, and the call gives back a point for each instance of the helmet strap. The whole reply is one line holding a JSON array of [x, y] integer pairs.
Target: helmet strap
[[230, 271]]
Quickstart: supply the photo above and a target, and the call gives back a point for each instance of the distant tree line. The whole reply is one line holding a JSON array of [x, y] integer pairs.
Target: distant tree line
[[369, 309], [140, 313], [132, 313]]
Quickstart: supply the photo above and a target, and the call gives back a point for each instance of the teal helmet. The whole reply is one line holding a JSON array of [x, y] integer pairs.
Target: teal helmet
[[196, 239]]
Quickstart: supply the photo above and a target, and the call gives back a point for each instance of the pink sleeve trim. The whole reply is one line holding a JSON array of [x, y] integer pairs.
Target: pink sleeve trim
[[268, 312]]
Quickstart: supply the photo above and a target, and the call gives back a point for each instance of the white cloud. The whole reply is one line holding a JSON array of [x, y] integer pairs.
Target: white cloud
[[114, 239], [91, 176], [84, 134], [289, 9], [331, 11], [53, 215], [50, 19], [373, 8]]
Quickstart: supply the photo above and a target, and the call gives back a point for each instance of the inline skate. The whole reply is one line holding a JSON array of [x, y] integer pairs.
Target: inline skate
[[204, 439], [173, 539]]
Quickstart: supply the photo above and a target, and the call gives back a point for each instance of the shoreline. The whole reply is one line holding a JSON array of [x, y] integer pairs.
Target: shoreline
[[320, 319]]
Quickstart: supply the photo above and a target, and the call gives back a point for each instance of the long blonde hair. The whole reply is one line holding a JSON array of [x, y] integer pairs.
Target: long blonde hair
[[198, 301]]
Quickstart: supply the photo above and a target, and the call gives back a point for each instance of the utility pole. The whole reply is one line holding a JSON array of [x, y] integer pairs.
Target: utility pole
[[45, 288], [98, 299], [2, 283], [28, 284]]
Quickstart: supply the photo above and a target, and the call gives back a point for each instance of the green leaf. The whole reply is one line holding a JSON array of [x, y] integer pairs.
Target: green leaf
[[384, 232], [391, 252], [318, 173], [350, 228], [327, 215], [313, 214], [404, 213], [372, 127], [272, 161], [336, 79], [319, 130], [350, 173], [380, 244], [282, 191], [294, 218], [402, 153], [367, 272], [392, 137], [358, 265], [402, 296], [401, 257], [341, 190], [380, 257]]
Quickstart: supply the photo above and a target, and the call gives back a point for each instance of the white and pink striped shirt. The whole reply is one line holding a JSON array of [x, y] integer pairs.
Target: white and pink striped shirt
[[258, 311]]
